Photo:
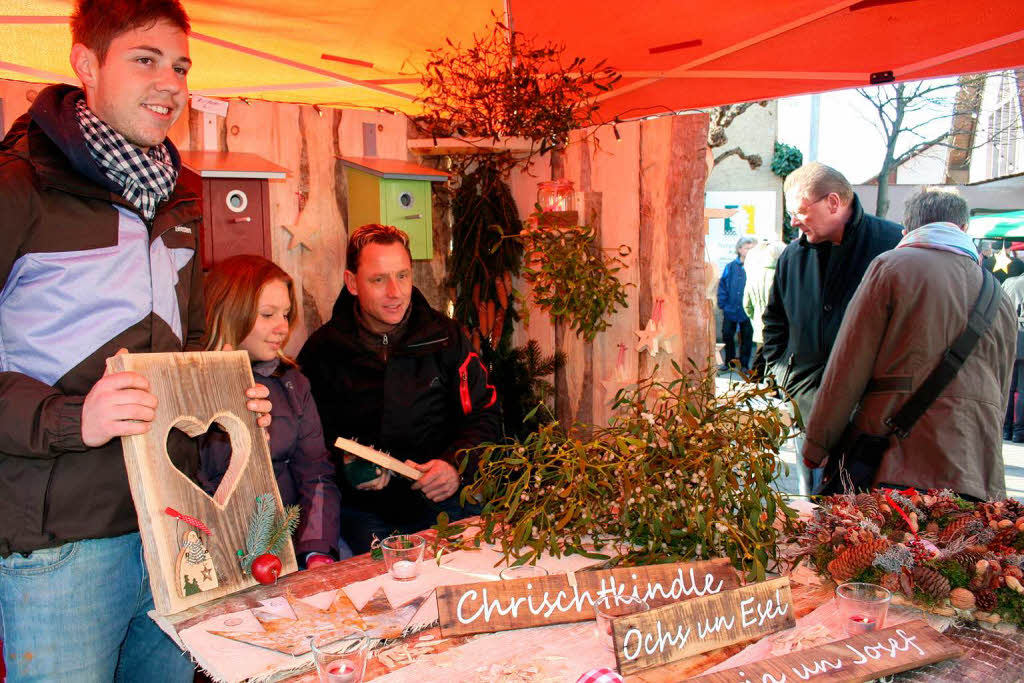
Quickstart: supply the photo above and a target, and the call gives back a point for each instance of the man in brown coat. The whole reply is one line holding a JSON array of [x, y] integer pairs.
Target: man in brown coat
[[913, 303]]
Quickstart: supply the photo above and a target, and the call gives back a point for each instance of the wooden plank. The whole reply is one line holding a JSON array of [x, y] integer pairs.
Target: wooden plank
[[673, 632], [861, 658], [523, 603], [378, 458], [194, 390]]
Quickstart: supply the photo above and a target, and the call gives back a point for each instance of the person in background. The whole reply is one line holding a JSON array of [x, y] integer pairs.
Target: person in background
[[99, 255], [730, 300], [760, 267], [913, 302], [250, 306], [1013, 423], [393, 373], [815, 278]]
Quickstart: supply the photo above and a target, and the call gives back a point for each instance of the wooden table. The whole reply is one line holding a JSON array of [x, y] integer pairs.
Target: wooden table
[[989, 656]]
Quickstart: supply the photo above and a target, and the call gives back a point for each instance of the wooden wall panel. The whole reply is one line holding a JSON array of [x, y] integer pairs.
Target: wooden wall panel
[[615, 173]]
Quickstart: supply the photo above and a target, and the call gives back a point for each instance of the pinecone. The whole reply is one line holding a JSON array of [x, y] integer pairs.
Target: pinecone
[[1005, 536], [942, 507], [867, 504], [855, 560], [958, 527], [985, 599], [966, 559], [891, 582], [931, 582]]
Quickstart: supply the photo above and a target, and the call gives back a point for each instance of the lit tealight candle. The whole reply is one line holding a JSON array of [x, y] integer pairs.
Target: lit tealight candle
[[341, 671], [861, 623], [403, 569]]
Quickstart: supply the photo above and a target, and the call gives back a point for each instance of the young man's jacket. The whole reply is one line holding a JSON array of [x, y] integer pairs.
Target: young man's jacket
[[82, 276], [422, 396], [730, 291], [806, 308], [911, 306], [304, 473]]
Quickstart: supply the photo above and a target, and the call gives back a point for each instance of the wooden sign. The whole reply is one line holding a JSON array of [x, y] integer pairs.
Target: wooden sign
[[378, 458], [862, 658], [195, 390], [670, 633], [564, 598]]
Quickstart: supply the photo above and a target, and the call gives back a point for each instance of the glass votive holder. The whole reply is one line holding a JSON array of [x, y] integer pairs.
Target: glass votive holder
[[524, 571], [862, 607], [340, 657], [610, 608], [403, 554]]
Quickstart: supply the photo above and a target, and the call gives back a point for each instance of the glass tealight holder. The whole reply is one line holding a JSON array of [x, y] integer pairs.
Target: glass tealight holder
[[555, 195], [862, 607], [403, 554], [525, 571], [340, 657], [609, 608]]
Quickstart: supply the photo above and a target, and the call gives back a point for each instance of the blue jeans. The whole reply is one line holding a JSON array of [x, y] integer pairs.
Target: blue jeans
[[77, 612]]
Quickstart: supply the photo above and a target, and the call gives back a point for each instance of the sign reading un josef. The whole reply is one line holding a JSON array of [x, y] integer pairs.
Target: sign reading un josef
[[500, 606]]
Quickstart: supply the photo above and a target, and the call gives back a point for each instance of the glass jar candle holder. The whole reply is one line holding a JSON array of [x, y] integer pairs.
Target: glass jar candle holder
[[555, 195], [403, 554], [609, 608], [862, 607], [340, 657]]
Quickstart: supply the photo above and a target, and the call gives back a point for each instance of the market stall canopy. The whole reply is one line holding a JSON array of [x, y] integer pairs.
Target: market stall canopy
[[673, 55], [1009, 224]]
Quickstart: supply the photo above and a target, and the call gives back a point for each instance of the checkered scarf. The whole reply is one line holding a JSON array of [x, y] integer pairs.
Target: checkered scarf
[[145, 179]]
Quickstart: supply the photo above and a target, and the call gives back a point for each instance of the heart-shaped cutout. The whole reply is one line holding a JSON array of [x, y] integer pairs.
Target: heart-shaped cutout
[[224, 434]]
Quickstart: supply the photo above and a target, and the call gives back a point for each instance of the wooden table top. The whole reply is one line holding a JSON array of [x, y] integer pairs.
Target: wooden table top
[[989, 655]]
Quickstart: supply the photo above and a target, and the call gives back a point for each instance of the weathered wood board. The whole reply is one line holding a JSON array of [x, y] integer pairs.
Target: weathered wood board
[[195, 390], [488, 606], [378, 458], [670, 633], [861, 658]]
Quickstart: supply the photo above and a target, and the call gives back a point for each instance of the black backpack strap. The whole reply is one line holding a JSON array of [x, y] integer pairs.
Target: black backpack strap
[[981, 317]]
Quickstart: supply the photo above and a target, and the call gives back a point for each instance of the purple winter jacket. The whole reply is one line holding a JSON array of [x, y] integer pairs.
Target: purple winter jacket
[[305, 475]]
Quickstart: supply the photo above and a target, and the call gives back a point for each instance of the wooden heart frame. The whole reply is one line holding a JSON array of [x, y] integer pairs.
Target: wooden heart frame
[[193, 391]]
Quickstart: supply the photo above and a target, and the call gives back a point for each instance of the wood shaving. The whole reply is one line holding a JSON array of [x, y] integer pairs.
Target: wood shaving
[[796, 639], [405, 654]]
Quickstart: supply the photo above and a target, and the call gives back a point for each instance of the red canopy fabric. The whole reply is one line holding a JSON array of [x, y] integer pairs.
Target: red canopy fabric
[[674, 54]]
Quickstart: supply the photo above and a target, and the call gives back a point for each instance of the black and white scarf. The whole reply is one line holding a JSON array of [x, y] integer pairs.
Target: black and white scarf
[[145, 178]]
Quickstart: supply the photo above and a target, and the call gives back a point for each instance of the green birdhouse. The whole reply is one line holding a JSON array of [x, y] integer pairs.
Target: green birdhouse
[[393, 192]]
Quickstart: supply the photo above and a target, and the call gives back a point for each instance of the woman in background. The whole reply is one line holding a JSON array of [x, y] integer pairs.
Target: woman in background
[[250, 306]]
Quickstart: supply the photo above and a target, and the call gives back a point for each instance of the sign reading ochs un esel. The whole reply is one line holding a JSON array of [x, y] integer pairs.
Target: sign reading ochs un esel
[[673, 632], [521, 603]]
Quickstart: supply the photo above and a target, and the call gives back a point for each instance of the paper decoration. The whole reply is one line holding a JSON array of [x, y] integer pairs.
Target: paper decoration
[[620, 378], [656, 337]]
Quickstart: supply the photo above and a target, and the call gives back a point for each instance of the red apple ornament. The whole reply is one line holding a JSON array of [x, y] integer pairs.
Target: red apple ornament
[[266, 568]]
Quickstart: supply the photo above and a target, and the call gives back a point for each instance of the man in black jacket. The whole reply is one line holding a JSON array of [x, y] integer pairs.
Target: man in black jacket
[[391, 372], [815, 279]]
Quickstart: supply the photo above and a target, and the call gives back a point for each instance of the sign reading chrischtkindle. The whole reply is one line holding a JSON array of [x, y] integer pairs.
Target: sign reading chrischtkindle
[[561, 598], [673, 632], [862, 658]]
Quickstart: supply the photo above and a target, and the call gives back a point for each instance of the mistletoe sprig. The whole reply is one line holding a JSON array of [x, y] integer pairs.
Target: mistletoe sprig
[[508, 84], [572, 279], [680, 475]]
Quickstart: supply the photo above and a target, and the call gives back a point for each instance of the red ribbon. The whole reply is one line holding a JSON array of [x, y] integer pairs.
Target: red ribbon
[[192, 521], [906, 492]]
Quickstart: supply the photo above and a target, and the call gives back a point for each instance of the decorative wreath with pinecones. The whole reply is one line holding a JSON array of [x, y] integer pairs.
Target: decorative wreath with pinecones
[[935, 549]]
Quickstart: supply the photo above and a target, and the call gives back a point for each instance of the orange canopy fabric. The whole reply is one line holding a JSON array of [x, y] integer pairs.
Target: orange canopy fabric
[[673, 54]]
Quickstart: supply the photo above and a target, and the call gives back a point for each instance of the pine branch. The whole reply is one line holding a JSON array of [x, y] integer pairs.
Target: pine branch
[[283, 529], [260, 525]]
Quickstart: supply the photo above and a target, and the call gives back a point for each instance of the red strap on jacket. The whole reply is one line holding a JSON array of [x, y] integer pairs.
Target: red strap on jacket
[[464, 395]]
